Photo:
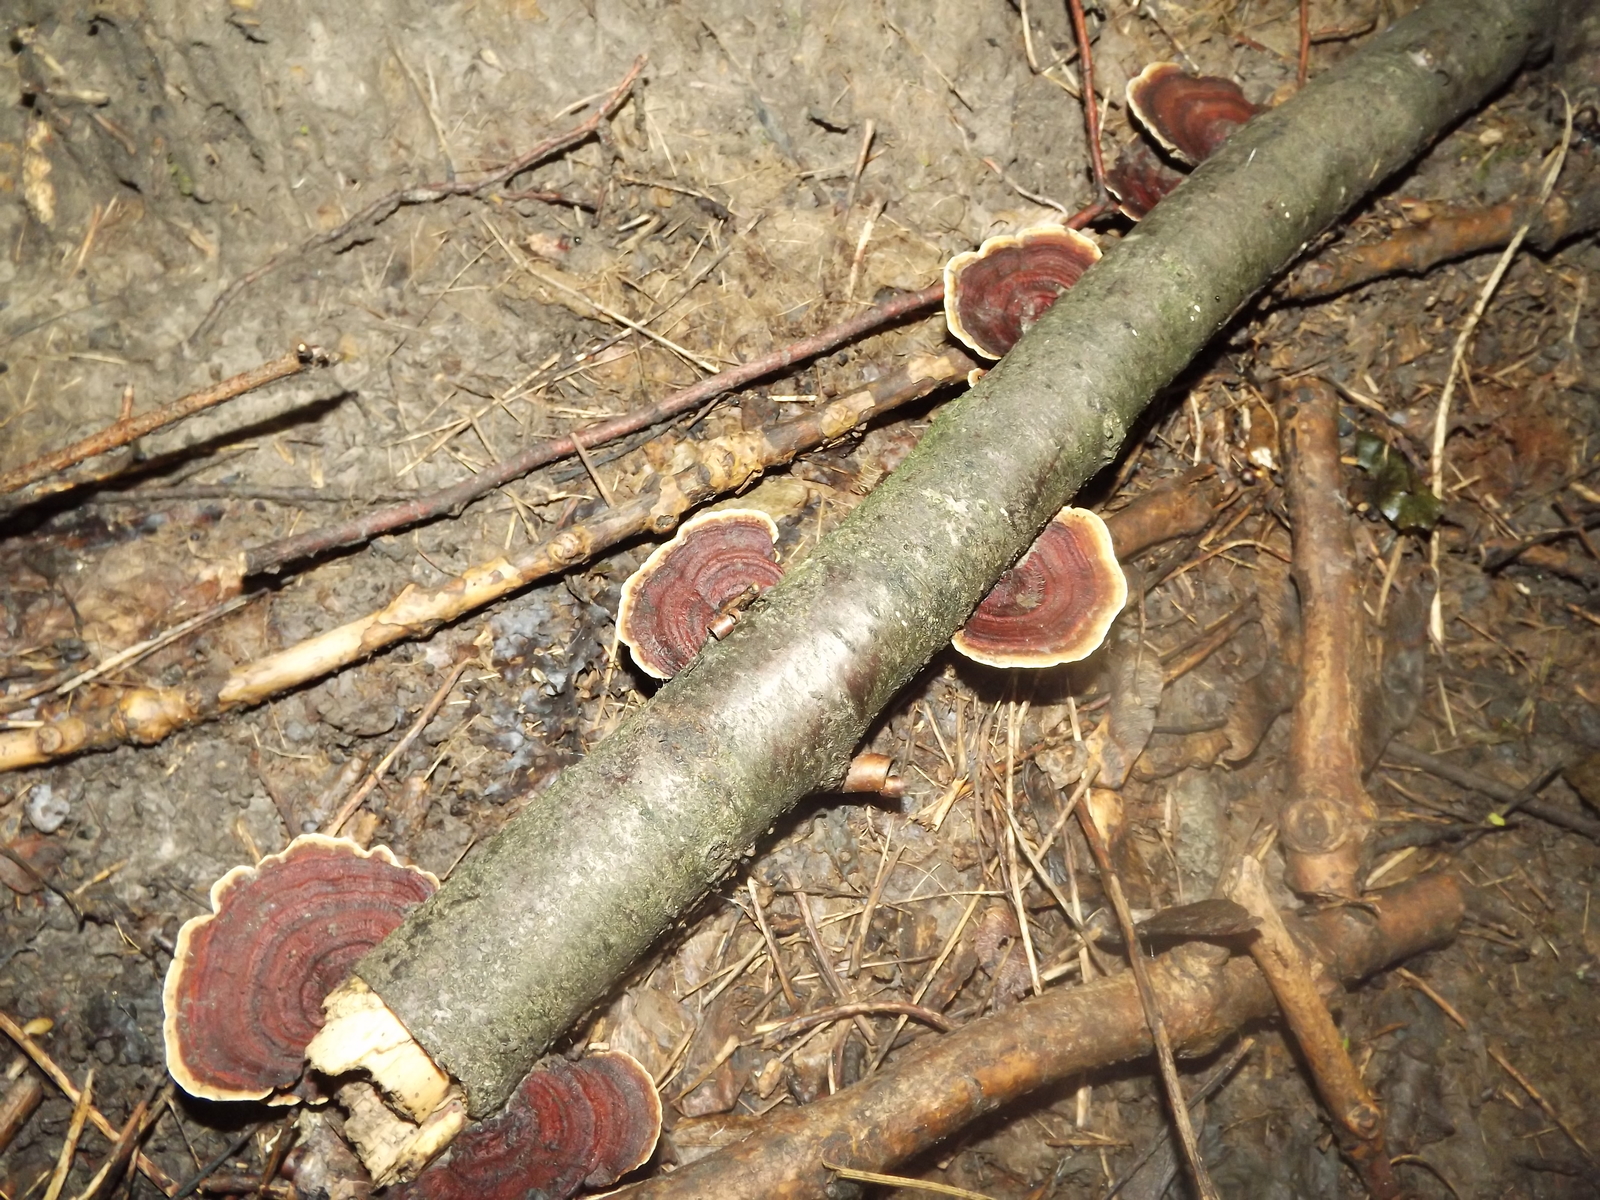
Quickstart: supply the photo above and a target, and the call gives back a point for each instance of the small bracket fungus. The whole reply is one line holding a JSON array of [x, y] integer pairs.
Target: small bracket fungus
[[1056, 605], [1191, 115], [718, 562], [995, 294], [1139, 179], [571, 1125], [243, 995]]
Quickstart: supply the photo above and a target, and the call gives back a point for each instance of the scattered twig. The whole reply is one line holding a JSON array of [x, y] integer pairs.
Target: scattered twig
[[274, 555], [1091, 103], [347, 810], [1441, 420], [1176, 1101], [1208, 1088], [1549, 1109], [193, 1184], [385, 206], [57, 1076], [129, 428], [1475, 781], [856, 1008], [69, 1147]]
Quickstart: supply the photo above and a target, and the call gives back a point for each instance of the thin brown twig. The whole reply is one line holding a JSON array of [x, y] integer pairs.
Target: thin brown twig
[[451, 500], [435, 702], [385, 206], [1152, 1009], [129, 428], [856, 1008], [1091, 109], [1303, 67]]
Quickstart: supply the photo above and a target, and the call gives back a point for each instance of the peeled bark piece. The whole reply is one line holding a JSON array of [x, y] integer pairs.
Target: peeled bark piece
[[243, 995], [527, 934], [582, 1124]]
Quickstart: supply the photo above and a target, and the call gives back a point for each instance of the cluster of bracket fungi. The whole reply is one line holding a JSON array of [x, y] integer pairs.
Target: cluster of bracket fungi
[[244, 994], [243, 998], [1188, 115]]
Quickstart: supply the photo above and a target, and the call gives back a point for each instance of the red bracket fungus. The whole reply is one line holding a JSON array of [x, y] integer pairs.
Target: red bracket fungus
[[994, 294], [243, 995], [1139, 179], [571, 1125], [1056, 605], [691, 586], [1191, 115]]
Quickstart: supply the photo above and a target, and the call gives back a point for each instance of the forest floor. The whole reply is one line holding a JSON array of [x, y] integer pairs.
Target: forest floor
[[779, 168]]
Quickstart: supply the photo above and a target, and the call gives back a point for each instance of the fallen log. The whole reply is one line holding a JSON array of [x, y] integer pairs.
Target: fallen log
[[944, 1083], [528, 934]]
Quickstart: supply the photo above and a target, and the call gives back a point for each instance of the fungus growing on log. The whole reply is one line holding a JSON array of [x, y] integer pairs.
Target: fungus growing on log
[[994, 294], [1139, 179], [571, 1125], [718, 562], [1056, 605], [1191, 115], [243, 995]]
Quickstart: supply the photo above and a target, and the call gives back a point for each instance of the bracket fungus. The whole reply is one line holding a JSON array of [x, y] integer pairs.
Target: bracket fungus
[[1056, 605], [243, 995], [571, 1125], [689, 589], [1140, 178], [994, 294], [1191, 115]]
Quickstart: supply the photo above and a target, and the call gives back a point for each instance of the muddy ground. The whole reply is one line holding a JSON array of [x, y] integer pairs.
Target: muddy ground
[[780, 168]]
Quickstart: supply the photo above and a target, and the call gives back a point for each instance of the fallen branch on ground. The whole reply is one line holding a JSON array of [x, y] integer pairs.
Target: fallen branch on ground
[[1327, 815], [706, 470], [1449, 234], [942, 1084]]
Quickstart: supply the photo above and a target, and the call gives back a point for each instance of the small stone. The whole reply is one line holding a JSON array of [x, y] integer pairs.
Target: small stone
[[46, 811]]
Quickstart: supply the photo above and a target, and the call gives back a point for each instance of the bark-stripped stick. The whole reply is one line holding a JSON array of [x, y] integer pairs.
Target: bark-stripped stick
[[712, 468]]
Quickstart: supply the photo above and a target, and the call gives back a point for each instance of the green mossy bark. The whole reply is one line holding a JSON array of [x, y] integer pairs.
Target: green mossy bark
[[525, 937]]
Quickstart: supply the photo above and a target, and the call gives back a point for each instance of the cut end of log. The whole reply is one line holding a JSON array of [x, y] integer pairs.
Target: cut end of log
[[361, 1034]]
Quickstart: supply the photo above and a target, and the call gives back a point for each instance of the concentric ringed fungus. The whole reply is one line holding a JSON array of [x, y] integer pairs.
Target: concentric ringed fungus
[[1139, 179], [692, 585], [995, 294], [1056, 605], [1191, 115], [571, 1125], [243, 995]]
